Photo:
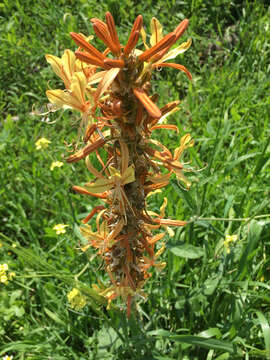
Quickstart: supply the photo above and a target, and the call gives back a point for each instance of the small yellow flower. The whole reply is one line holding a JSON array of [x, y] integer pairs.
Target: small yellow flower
[[42, 144], [56, 164], [76, 299], [3, 279], [1, 245], [228, 240], [8, 357], [60, 228], [3, 267], [11, 275]]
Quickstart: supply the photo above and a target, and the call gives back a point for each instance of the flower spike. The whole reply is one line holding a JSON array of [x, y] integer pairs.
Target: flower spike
[[112, 92]]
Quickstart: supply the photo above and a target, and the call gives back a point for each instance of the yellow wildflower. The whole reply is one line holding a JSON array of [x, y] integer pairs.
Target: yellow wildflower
[[8, 357], [228, 240], [56, 164], [60, 228], [76, 299], [11, 275], [42, 144], [3, 267], [3, 279], [1, 245]]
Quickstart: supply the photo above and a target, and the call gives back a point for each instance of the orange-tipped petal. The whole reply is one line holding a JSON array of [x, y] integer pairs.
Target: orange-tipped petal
[[89, 59], [132, 41], [113, 32], [86, 150], [80, 41], [148, 104], [180, 29], [170, 222], [167, 126], [83, 191], [114, 63], [103, 33], [134, 35], [168, 40], [175, 66]]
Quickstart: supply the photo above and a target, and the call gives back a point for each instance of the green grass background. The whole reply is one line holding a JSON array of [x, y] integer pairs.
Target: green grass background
[[206, 304]]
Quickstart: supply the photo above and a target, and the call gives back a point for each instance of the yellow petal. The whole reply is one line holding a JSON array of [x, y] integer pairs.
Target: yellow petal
[[156, 30], [100, 185], [129, 175], [124, 156], [180, 176], [143, 34], [68, 60], [163, 207], [77, 88], [185, 143], [175, 52], [58, 97], [93, 170], [106, 82]]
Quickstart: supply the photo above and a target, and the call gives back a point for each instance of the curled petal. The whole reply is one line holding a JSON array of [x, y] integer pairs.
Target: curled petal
[[175, 66], [83, 191]]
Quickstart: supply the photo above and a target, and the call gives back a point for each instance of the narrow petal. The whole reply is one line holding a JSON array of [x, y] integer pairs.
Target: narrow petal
[[185, 143], [92, 169], [103, 33], [175, 52], [86, 150], [80, 41], [143, 34], [148, 104], [170, 222], [114, 63], [180, 29], [175, 66], [106, 82], [89, 59], [124, 156], [168, 40], [155, 238], [167, 126], [134, 35], [156, 30], [132, 41], [113, 32], [83, 191]]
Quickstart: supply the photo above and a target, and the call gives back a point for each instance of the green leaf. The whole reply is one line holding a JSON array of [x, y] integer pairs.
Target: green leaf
[[53, 316], [266, 332], [187, 251]]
